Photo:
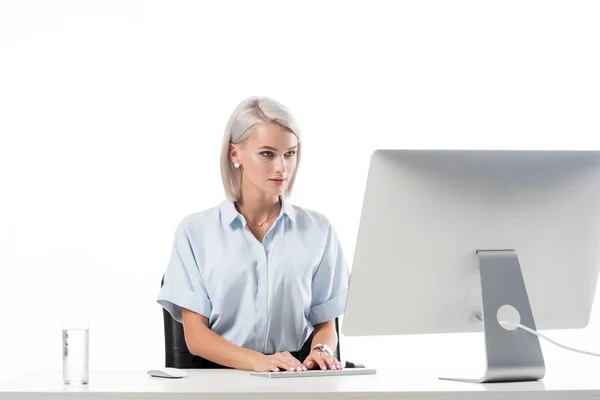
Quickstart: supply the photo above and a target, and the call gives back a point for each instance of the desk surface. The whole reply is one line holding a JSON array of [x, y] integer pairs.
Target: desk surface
[[230, 384]]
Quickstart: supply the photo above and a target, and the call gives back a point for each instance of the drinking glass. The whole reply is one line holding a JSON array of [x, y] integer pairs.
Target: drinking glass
[[76, 347]]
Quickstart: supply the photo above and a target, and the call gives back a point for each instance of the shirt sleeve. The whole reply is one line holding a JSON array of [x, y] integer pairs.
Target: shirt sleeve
[[330, 282], [183, 284]]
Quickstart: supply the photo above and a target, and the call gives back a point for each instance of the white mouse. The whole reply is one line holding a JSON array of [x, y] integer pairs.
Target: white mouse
[[167, 372]]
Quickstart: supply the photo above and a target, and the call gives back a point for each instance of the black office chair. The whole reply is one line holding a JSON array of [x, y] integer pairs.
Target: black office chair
[[177, 354]]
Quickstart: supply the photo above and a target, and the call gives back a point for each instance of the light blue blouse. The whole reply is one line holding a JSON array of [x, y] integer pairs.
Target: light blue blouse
[[262, 296]]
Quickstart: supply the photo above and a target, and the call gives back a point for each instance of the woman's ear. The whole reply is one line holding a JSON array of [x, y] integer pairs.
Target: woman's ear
[[233, 153]]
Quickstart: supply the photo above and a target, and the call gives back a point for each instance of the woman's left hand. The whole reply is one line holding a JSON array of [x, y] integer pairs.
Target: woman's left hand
[[318, 359]]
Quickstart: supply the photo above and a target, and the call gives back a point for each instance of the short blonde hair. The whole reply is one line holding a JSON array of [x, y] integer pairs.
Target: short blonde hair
[[251, 111]]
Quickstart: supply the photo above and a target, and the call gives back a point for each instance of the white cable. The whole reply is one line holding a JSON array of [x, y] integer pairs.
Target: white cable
[[589, 353]]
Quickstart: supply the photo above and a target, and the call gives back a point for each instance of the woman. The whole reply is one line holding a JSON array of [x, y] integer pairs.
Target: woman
[[251, 278]]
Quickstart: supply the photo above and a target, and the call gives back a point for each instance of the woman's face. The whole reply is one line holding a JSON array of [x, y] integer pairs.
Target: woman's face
[[267, 157]]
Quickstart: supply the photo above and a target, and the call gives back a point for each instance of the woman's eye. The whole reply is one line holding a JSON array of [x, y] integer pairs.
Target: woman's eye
[[267, 153], [290, 153]]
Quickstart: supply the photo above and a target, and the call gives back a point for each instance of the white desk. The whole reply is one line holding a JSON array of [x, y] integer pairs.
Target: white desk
[[231, 384]]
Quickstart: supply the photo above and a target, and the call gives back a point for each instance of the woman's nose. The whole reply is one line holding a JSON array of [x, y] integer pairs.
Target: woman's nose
[[280, 164]]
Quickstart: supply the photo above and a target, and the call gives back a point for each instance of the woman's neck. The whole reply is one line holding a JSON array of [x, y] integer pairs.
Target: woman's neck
[[257, 205]]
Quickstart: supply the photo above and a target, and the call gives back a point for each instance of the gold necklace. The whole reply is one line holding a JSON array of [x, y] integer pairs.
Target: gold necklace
[[260, 223], [268, 219]]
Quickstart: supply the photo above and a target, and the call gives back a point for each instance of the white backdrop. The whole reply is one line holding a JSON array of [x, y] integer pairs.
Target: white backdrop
[[112, 113]]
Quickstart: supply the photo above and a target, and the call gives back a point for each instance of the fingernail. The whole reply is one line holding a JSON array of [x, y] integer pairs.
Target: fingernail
[[323, 367], [292, 369], [309, 364]]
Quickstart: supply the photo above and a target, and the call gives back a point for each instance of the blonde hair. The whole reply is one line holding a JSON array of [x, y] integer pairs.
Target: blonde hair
[[251, 111]]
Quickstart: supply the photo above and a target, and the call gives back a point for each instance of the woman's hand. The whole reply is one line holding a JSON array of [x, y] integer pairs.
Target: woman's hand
[[277, 362], [318, 359]]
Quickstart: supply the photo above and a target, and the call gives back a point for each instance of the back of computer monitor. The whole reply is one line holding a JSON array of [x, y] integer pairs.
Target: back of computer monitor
[[426, 214]]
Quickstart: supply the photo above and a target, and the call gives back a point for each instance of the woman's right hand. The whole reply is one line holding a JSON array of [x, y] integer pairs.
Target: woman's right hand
[[283, 361]]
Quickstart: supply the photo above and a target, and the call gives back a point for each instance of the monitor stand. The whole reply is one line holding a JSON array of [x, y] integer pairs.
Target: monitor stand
[[512, 355]]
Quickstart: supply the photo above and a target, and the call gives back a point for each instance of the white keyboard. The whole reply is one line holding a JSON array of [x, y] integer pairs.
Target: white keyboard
[[316, 372]]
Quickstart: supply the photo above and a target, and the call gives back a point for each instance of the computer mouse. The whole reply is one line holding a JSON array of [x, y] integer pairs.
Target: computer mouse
[[167, 372]]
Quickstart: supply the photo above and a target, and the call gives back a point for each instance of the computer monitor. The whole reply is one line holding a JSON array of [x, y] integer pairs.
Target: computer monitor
[[459, 240]]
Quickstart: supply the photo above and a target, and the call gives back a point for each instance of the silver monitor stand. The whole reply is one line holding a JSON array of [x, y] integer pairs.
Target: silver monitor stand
[[512, 355]]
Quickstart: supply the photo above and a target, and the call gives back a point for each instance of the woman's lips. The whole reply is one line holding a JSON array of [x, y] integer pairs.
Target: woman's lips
[[278, 181]]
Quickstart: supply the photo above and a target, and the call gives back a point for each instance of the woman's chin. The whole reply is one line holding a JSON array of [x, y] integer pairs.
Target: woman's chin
[[276, 191]]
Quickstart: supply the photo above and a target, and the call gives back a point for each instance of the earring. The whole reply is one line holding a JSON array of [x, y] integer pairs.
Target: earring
[[236, 165]]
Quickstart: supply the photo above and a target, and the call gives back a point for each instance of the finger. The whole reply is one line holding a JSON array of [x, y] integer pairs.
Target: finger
[[285, 366], [337, 363], [291, 359], [310, 363], [285, 363], [287, 358], [319, 359], [329, 362], [297, 365]]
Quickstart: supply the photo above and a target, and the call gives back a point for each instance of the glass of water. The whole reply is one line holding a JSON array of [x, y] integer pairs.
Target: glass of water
[[76, 347]]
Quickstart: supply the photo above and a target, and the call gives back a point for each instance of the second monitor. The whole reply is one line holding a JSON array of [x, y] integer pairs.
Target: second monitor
[[458, 240]]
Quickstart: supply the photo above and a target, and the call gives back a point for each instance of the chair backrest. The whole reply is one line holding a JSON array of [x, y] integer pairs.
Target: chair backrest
[[177, 354]]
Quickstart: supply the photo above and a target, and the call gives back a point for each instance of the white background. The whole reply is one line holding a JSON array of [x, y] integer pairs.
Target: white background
[[112, 113]]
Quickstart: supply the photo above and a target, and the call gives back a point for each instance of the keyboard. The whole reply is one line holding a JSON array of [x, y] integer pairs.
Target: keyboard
[[316, 372]]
